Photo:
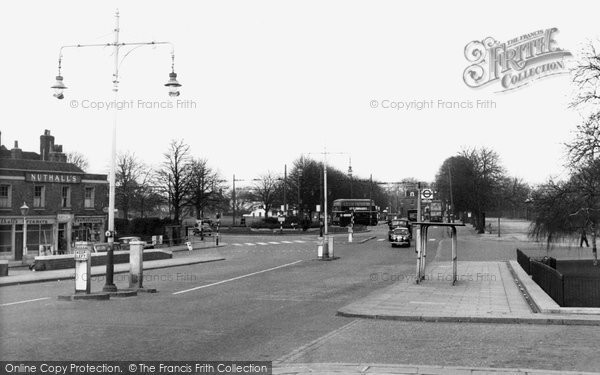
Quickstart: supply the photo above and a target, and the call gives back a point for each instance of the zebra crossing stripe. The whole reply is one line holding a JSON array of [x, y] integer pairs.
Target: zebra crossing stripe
[[275, 243], [261, 243], [236, 244], [249, 244], [381, 239], [287, 241], [299, 241]]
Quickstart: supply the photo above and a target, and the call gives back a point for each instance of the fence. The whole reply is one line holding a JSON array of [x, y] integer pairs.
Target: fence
[[523, 261], [549, 279]]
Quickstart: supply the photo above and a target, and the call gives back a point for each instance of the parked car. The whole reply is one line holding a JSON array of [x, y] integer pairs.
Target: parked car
[[206, 229], [102, 247], [400, 237], [124, 242]]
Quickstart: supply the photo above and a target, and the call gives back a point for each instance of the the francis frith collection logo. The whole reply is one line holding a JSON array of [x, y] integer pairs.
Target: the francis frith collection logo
[[514, 63]]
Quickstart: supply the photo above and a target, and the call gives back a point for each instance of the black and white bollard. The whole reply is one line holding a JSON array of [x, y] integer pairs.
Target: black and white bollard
[[83, 267], [136, 267]]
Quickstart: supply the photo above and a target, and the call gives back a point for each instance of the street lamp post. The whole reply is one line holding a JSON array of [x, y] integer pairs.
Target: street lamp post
[[59, 88], [24, 211]]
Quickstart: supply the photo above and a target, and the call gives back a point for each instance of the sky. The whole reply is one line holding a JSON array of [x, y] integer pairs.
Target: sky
[[267, 81]]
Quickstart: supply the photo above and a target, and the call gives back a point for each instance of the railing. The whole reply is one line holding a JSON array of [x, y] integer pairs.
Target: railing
[[523, 261], [549, 279]]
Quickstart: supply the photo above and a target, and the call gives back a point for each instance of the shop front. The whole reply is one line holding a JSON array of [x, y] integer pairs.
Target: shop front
[[88, 228], [38, 233]]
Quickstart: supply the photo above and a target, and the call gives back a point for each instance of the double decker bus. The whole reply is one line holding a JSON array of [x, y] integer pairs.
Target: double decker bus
[[365, 212]]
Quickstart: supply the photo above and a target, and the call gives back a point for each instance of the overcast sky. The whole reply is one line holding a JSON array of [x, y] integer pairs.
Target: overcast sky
[[268, 81]]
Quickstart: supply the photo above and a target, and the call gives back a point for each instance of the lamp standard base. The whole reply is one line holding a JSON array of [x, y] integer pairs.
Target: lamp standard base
[[109, 288]]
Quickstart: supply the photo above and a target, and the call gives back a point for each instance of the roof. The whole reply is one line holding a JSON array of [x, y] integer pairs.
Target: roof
[[38, 166]]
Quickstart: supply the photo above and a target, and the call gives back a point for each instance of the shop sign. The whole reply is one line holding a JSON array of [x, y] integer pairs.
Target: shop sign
[[53, 178], [63, 217], [4, 220], [89, 220]]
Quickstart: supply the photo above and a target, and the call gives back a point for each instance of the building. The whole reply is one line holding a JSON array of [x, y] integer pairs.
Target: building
[[56, 202]]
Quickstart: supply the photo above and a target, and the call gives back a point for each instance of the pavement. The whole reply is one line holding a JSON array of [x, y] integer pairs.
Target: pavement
[[486, 292], [200, 254], [374, 369]]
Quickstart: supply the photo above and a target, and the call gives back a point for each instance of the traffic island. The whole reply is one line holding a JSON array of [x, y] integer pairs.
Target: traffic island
[[123, 293], [85, 296]]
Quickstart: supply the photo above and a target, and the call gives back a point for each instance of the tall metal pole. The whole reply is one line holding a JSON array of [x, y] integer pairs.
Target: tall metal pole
[[234, 203], [451, 197], [299, 171], [284, 189], [109, 285], [325, 190], [370, 198]]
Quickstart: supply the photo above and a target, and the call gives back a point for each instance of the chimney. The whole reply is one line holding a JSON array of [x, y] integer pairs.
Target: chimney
[[16, 152], [46, 145], [56, 154]]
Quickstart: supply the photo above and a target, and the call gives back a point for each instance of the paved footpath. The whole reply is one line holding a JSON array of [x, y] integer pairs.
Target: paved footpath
[[486, 292], [23, 275], [375, 369]]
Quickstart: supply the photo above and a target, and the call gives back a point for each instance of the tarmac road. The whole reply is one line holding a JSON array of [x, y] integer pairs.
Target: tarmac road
[[274, 301], [264, 301]]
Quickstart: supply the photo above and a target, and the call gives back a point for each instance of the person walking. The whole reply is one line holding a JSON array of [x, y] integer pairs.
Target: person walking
[[583, 239]]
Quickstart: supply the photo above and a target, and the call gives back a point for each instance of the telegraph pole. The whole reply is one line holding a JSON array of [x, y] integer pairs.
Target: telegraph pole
[[234, 204]]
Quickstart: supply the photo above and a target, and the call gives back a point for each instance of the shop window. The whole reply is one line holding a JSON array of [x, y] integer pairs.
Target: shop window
[[65, 201], [39, 196], [5, 239], [5, 196], [89, 197]]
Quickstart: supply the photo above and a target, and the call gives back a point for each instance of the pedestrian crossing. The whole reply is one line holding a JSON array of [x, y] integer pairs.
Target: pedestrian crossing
[[237, 244]]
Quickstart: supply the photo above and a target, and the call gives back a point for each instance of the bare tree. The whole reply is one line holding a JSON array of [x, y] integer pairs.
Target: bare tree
[[487, 175], [127, 177], [586, 143], [78, 159], [206, 187], [174, 176], [586, 76], [265, 190]]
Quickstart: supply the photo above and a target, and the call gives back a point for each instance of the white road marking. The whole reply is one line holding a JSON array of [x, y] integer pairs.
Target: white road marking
[[29, 300], [299, 241], [237, 244], [262, 243], [249, 244], [428, 303], [275, 243], [287, 241], [432, 239], [237, 278], [381, 239]]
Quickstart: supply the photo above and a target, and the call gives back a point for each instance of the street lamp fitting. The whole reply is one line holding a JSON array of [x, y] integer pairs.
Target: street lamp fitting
[[59, 87], [173, 85], [24, 209]]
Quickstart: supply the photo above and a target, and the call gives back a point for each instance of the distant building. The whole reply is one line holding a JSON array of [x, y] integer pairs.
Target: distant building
[[64, 203]]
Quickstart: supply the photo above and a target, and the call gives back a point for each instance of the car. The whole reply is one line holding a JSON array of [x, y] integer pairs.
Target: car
[[399, 223], [124, 242], [400, 237], [206, 229]]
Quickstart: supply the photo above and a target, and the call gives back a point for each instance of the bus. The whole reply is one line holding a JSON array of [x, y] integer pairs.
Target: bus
[[412, 215], [365, 212]]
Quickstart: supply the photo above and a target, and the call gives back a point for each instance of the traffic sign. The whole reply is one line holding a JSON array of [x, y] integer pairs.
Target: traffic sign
[[426, 194]]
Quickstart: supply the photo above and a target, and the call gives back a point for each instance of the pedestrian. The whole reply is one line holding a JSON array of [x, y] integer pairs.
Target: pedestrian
[[583, 239]]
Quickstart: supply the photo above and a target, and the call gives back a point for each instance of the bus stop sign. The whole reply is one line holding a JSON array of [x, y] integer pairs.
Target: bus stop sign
[[426, 194]]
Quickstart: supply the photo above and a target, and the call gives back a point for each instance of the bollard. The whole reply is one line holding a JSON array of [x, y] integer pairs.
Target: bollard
[[330, 248], [350, 234], [3, 267], [136, 264], [320, 248], [83, 267]]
